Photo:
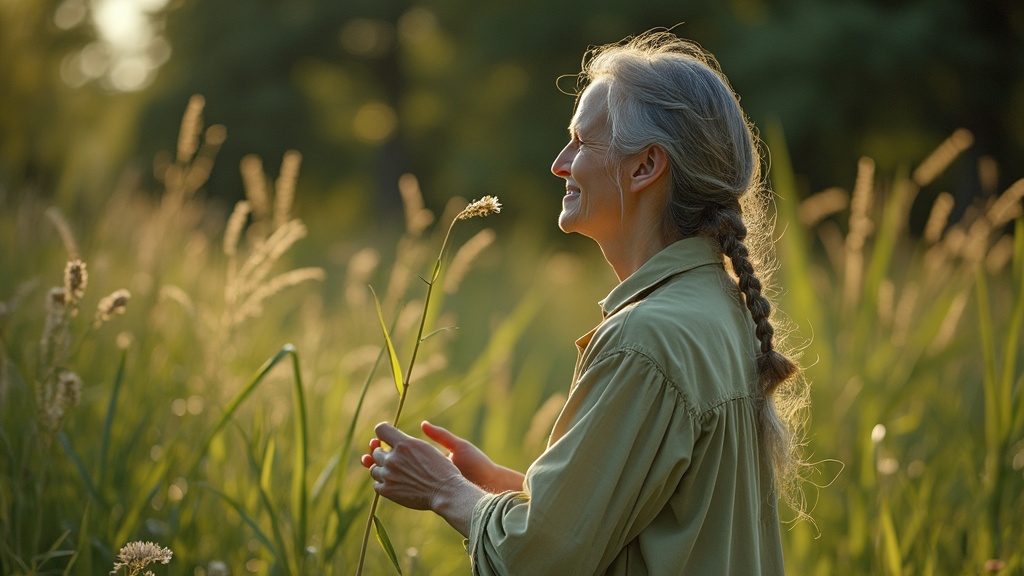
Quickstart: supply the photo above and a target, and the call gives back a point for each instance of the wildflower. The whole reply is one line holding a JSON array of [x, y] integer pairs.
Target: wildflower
[[75, 280], [137, 555], [482, 207], [115, 303]]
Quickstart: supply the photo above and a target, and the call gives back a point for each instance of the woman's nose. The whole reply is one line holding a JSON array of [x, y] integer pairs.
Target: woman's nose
[[562, 162]]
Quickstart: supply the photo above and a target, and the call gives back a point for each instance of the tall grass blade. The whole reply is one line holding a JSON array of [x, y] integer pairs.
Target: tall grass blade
[[244, 515], [52, 552], [396, 368], [130, 522], [267, 466], [65, 442], [108, 422], [232, 406], [82, 548], [261, 466], [804, 305], [346, 518], [988, 350], [1013, 334], [892, 559], [346, 444], [300, 499], [385, 542]]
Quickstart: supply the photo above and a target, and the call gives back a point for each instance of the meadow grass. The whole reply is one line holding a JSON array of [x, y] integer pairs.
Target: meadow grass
[[223, 413]]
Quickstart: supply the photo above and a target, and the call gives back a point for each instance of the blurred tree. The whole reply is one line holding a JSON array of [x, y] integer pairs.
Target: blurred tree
[[31, 49], [888, 80], [61, 133], [463, 93]]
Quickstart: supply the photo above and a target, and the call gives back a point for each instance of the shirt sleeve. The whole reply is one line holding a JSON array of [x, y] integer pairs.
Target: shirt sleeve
[[596, 487]]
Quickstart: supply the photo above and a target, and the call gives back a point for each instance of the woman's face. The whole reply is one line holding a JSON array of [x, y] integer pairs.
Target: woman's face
[[592, 204]]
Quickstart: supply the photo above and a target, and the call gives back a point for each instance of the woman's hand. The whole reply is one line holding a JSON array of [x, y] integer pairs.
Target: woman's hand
[[411, 473], [416, 475], [473, 463]]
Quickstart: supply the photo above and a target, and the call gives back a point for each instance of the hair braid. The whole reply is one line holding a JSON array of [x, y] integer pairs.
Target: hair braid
[[773, 367]]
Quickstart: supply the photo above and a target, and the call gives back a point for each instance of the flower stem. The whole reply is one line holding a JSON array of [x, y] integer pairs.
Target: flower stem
[[408, 380]]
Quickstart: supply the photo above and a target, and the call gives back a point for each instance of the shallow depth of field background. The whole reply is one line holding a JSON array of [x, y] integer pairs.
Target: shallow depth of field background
[[130, 130]]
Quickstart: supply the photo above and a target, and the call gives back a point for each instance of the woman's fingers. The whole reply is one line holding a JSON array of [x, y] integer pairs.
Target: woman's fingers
[[441, 436], [387, 433]]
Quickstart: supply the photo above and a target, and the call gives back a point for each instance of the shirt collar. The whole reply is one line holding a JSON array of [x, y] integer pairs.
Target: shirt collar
[[686, 254]]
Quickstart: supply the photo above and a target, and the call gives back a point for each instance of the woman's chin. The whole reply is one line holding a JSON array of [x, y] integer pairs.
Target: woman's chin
[[567, 222]]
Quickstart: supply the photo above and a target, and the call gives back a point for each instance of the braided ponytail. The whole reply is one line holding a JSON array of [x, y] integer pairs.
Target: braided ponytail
[[773, 367]]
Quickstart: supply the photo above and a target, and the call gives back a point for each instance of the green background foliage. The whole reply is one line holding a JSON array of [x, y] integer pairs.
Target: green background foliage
[[909, 323]]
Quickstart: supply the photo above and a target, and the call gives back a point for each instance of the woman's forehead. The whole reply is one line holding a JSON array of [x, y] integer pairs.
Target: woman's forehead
[[592, 111]]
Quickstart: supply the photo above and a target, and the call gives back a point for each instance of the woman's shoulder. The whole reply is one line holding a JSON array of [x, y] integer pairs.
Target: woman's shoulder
[[696, 333], [687, 309]]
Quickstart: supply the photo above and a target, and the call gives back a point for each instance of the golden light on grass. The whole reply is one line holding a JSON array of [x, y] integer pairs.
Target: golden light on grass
[[861, 226], [465, 257], [822, 205], [943, 156], [938, 217], [255, 184], [284, 188], [191, 128]]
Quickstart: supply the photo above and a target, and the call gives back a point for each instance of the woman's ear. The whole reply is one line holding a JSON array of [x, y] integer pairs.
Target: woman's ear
[[648, 167]]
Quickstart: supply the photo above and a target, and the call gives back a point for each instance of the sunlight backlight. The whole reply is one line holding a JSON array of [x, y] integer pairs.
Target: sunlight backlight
[[129, 49]]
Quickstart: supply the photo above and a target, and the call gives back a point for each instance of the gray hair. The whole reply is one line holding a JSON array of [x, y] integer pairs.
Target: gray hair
[[669, 92]]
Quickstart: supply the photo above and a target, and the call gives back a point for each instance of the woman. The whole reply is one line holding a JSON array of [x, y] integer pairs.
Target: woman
[[668, 454]]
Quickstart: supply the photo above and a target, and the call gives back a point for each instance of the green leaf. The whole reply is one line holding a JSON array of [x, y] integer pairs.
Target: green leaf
[[438, 331], [437, 269], [396, 369], [385, 542]]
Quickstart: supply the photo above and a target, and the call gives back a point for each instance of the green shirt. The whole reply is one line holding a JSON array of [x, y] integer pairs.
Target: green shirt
[[653, 466]]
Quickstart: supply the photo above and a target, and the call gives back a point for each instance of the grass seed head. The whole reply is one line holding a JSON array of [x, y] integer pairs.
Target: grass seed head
[[483, 207], [114, 303], [76, 278], [69, 388]]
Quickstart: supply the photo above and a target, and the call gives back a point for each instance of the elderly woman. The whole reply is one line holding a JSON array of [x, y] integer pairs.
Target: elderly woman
[[668, 455]]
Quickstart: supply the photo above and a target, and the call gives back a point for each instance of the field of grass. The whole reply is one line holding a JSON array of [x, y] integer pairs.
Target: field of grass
[[220, 411]]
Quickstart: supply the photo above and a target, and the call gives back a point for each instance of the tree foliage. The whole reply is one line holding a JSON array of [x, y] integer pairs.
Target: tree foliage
[[463, 94]]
